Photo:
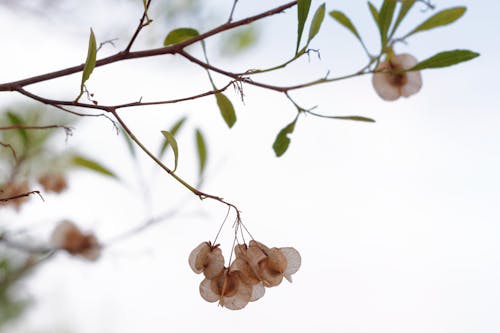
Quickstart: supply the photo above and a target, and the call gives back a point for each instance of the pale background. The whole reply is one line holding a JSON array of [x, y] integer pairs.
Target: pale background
[[397, 222]]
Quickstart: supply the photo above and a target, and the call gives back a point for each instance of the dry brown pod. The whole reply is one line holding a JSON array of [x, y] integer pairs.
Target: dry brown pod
[[67, 236], [228, 289], [207, 259], [53, 182], [13, 189]]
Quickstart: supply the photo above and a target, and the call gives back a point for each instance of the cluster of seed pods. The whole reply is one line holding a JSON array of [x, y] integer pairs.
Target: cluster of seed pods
[[254, 268]]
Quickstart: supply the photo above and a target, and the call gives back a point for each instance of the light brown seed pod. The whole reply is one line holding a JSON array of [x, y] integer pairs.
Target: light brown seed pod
[[67, 236]]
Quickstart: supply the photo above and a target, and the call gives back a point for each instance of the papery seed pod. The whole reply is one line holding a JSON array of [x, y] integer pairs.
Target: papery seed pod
[[246, 273], [67, 236], [13, 189], [390, 85], [293, 261], [53, 182], [207, 259], [258, 292], [228, 289]]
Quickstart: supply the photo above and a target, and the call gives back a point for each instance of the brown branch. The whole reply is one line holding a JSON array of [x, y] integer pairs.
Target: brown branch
[[144, 21], [22, 195], [8, 146], [126, 55]]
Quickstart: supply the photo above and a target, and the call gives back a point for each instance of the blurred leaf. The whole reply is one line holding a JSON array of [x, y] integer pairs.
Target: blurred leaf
[[202, 150], [180, 35], [374, 12], [282, 140], [89, 66], [240, 40], [405, 8], [130, 143], [385, 19], [175, 128], [345, 21], [15, 120], [226, 109], [318, 18], [445, 59], [303, 7], [173, 143], [439, 19], [84, 162]]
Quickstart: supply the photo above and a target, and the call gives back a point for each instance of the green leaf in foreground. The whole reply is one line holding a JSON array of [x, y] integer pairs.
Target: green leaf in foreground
[[202, 150], [439, 19], [303, 7], [173, 143], [173, 130], [89, 66], [89, 164], [345, 21], [282, 140], [180, 35], [226, 109], [445, 59], [316, 22]]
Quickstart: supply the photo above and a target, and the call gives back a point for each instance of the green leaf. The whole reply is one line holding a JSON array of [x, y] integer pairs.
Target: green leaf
[[226, 109], [385, 19], [282, 140], [171, 140], [175, 128], [318, 17], [354, 118], [240, 40], [202, 151], [439, 19], [180, 35], [15, 120], [405, 8], [445, 59], [89, 66], [345, 21], [303, 7], [87, 163], [374, 12]]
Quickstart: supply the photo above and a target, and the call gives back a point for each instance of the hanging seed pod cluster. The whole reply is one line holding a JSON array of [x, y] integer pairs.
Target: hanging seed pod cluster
[[244, 280]]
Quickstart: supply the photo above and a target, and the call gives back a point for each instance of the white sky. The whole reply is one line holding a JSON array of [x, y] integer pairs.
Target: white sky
[[397, 222]]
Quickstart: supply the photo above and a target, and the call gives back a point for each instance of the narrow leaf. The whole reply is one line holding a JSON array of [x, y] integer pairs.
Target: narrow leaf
[[86, 163], [202, 151], [175, 128], [318, 17], [440, 19], [354, 118], [180, 35], [226, 109], [445, 59], [374, 12], [171, 140], [89, 66], [385, 19], [303, 7], [15, 120], [345, 21], [405, 8], [282, 140]]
